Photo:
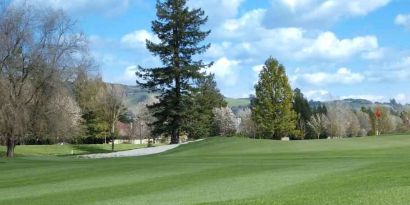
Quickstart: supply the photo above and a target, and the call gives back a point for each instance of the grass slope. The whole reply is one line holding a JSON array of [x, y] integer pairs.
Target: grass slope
[[63, 150], [235, 102], [372, 170]]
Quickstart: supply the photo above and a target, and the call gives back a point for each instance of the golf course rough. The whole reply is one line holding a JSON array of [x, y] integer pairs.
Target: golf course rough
[[370, 170]]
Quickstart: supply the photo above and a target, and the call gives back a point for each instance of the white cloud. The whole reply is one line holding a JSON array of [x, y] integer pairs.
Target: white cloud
[[318, 95], [249, 37], [137, 39], [342, 76], [98, 42], [217, 10], [327, 45], [253, 16], [129, 76], [342, 8], [294, 5], [217, 50], [318, 13], [402, 98], [108, 7], [398, 69], [109, 60], [401, 69], [239, 27], [225, 70], [377, 54], [403, 20], [257, 68]]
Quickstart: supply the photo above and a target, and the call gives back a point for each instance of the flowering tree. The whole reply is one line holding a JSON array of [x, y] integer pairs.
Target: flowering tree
[[319, 123], [224, 121]]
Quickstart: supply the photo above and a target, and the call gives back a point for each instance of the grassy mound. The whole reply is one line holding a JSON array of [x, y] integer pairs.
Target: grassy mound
[[371, 170]]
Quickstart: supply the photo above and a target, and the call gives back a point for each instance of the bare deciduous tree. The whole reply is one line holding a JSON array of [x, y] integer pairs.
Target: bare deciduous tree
[[113, 107], [365, 123], [39, 51], [247, 126], [353, 125], [385, 123], [140, 128], [342, 120], [319, 123], [337, 124], [396, 123]]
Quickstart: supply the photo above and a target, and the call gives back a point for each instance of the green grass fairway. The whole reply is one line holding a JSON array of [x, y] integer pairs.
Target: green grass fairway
[[64, 150], [371, 170]]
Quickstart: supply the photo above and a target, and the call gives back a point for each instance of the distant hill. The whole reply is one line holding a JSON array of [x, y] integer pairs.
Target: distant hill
[[358, 103], [135, 95], [354, 103], [238, 102]]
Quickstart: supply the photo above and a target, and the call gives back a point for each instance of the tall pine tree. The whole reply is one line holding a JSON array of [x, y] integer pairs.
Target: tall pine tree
[[178, 29], [272, 109], [207, 97]]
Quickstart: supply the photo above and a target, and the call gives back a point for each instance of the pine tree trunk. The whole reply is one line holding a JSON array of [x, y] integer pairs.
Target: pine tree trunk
[[11, 144], [175, 137], [177, 125]]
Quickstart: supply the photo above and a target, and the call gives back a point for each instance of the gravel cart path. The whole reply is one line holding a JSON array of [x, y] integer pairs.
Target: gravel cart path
[[135, 152]]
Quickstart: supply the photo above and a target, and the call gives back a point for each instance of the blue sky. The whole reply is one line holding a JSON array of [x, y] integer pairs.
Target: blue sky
[[332, 49]]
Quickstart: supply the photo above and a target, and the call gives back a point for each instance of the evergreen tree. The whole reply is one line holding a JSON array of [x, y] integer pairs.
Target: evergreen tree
[[112, 108], [206, 98], [88, 93], [304, 113], [301, 105], [178, 29], [319, 109], [272, 107]]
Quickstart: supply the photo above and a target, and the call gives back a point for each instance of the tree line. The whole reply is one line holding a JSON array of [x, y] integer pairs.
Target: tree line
[[333, 119], [276, 111]]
